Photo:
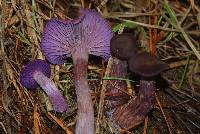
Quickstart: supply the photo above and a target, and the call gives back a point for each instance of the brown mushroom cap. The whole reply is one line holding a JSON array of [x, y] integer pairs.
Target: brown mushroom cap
[[123, 46], [146, 65]]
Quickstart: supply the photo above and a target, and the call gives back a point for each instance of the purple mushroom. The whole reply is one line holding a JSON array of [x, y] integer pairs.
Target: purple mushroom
[[89, 34], [37, 73]]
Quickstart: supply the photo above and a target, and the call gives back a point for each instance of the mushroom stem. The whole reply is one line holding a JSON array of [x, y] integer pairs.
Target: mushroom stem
[[85, 118], [133, 113], [57, 100]]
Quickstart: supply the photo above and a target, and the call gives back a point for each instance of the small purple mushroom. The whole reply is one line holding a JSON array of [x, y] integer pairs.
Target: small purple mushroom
[[37, 73], [89, 34]]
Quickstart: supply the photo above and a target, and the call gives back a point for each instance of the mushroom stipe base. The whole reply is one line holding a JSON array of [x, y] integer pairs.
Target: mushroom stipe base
[[85, 115], [134, 112]]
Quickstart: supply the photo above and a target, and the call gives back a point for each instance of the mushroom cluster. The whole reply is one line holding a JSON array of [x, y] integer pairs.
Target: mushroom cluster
[[37, 73], [88, 34], [133, 113]]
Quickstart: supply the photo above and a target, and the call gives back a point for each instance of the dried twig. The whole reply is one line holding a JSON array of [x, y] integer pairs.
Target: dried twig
[[60, 123]]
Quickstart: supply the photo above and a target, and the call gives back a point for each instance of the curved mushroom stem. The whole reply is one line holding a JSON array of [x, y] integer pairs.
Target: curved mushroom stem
[[133, 113], [56, 98], [85, 118]]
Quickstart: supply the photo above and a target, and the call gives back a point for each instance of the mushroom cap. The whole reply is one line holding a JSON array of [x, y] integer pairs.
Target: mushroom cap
[[26, 75], [57, 40], [146, 65], [123, 46], [96, 33], [61, 39]]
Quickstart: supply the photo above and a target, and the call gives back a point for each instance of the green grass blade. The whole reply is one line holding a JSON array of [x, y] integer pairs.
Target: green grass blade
[[117, 78]]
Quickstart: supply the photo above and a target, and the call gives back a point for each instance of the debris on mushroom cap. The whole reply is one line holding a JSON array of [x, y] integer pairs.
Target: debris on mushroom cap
[[146, 65], [90, 30], [123, 46], [26, 75]]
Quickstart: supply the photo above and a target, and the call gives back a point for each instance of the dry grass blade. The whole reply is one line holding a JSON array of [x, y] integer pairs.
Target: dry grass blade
[[155, 30], [30, 29], [5, 70], [128, 14], [190, 43], [146, 25], [60, 123], [36, 120], [3, 127], [180, 63], [192, 4], [145, 125], [102, 96], [12, 78], [150, 30], [103, 2], [175, 23], [163, 113]]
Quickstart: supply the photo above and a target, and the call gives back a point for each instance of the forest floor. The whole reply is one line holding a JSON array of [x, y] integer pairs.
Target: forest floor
[[169, 29]]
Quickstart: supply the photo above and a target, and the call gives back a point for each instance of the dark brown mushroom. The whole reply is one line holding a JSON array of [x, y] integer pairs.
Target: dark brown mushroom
[[123, 46], [134, 112], [146, 65]]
